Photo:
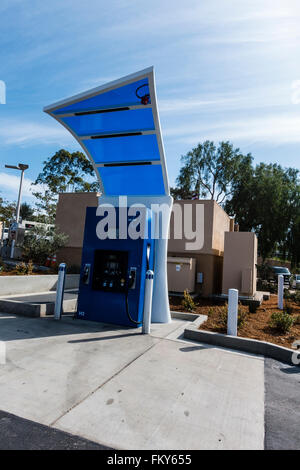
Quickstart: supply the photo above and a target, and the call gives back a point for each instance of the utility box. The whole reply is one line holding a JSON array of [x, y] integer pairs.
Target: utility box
[[181, 274]]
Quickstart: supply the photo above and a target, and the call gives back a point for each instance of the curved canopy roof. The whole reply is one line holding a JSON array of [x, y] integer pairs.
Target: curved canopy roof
[[118, 127]]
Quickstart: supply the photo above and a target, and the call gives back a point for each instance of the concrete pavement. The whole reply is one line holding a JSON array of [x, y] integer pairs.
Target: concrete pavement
[[125, 390]]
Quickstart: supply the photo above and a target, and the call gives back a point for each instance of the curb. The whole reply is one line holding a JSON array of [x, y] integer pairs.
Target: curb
[[249, 345], [34, 309]]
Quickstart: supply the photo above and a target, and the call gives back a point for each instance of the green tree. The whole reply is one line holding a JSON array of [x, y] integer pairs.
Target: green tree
[[46, 206], [291, 246], [68, 172], [42, 242], [210, 171], [62, 172], [26, 211], [7, 211], [264, 201]]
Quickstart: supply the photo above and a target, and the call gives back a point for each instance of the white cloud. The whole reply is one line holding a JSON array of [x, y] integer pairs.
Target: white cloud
[[272, 129], [9, 186], [24, 133], [190, 104], [281, 93]]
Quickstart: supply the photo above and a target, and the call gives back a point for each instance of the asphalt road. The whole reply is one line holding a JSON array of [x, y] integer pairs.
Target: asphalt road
[[22, 434], [282, 406]]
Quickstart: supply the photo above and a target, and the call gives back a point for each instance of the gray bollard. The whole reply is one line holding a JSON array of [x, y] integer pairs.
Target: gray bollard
[[60, 291], [148, 302], [280, 291], [232, 317]]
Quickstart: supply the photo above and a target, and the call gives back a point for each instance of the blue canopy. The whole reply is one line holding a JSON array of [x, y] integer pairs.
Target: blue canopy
[[118, 127]]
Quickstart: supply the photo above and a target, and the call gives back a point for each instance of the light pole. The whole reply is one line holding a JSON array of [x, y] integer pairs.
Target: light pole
[[22, 167]]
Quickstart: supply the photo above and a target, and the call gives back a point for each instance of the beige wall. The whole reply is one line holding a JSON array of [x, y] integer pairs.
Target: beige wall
[[216, 222], [181, 274], [69, 255], [70, 215], [240, 258], [209, 260], [70, 219], [221, 225], [211, 267]]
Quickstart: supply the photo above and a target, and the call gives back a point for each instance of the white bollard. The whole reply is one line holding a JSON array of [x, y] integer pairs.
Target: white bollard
[[148, 302], [232, 318], [280, 291], [60, 291]]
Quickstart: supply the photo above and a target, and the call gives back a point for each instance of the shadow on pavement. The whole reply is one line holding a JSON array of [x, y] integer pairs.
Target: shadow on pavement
[[14, 327]]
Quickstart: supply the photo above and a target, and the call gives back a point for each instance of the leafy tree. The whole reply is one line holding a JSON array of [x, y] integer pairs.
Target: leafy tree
[[46, 206], [7, 211], [42, 242], [26, 211], [291, 246], [68, 172], [210, 171], [264, 201], [63, 172]]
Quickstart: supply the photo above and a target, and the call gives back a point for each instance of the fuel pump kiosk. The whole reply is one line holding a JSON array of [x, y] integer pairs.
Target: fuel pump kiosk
[[118, 127], [113, 272]]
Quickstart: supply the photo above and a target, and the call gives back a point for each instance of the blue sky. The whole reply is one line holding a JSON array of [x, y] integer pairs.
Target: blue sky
[[225, 70]]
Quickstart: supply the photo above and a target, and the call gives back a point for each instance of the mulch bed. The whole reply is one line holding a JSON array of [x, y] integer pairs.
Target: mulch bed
[[256, 325]]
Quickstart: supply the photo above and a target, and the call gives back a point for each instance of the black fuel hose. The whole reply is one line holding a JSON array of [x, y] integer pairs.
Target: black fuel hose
[[127, 310]]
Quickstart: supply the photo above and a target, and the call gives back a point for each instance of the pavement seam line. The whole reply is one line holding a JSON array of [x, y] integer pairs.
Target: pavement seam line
[[104, 383]]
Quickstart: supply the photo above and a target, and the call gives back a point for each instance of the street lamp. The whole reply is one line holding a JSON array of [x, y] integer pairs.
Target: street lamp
[[22, 167]]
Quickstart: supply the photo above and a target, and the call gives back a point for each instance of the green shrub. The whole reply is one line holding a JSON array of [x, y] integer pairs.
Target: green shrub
[[282, 321], [297, 298], [241, 320], [297, 320], [21, 269], [187, 302], [287, 295], [30, 267], [41, 243]]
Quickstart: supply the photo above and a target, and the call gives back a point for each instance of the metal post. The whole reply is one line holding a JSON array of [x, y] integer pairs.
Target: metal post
[[148, 302], [280, 291], [17, 213], [60, 291], [2, 235], [232, 318]]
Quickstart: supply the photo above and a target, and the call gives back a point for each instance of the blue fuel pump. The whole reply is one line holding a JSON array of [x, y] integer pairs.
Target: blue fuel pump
[[117, 125], [113, 272]]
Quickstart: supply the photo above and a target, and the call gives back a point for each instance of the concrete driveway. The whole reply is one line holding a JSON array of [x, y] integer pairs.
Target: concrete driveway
[[125, 390]]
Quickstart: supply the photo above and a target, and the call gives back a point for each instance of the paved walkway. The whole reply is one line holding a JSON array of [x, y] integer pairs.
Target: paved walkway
[[125, 390]]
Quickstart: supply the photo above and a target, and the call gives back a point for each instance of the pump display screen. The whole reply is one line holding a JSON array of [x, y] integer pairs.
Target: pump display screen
[[110, 270]]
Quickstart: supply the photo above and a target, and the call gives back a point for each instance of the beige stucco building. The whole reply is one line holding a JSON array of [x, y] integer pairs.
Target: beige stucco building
[[240, 260], [209, 259], [226, 260], [70, 219]]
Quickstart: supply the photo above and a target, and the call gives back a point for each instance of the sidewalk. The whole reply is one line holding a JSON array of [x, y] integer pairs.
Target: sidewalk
[[125, 390]]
